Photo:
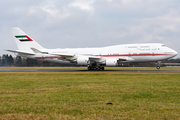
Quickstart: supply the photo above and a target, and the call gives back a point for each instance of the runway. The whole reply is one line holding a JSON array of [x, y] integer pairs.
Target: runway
[[79, 70]]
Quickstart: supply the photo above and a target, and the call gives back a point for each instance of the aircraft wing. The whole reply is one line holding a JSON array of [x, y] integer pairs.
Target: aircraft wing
[[58, 54], [63, 54], [20, 52], [119, 58]]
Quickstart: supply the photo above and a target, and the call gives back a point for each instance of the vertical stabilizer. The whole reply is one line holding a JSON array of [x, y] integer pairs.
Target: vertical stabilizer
[[23, 41]]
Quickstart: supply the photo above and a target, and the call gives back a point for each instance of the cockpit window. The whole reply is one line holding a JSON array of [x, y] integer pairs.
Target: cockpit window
[[163, 45]]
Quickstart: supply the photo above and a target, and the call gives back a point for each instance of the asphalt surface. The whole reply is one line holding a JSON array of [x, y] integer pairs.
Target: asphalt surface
[[77, 70]]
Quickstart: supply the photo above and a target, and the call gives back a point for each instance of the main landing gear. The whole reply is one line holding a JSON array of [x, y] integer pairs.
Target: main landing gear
[[158, 65], [93, 65], [95, 68]]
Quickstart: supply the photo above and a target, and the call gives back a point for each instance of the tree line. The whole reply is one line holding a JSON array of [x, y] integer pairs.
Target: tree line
[[8, 60]]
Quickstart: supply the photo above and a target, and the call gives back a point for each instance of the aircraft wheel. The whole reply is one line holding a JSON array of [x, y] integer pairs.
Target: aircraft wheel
[[99, 68], [102, 68], [89, 68], [158, 67], [96, 68]]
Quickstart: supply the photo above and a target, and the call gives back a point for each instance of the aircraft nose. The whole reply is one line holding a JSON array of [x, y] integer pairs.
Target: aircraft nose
[[172, 52], [175, 52]]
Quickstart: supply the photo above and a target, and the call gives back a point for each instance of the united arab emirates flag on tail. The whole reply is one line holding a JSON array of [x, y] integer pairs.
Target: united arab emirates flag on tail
[[23, 38]]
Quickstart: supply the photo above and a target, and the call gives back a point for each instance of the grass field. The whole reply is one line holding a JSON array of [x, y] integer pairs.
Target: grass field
[[84, 95]]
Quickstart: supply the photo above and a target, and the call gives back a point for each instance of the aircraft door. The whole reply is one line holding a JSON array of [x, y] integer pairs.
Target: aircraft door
[[129, 53], [138, 51], [153, 52]]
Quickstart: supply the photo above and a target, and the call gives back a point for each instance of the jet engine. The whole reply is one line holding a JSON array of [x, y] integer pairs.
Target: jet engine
[[111, 62], [83, 60]]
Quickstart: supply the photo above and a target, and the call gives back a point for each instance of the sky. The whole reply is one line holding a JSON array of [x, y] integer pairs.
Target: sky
[[91, 23]]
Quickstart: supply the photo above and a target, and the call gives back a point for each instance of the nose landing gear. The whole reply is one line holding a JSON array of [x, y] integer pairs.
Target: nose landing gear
[[158, 65]]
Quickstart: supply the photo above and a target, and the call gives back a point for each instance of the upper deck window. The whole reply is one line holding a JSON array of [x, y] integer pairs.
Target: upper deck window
[[163, 45], [145, 46]]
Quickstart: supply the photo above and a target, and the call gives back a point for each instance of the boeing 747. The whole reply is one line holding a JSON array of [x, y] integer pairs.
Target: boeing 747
[[94, 58]]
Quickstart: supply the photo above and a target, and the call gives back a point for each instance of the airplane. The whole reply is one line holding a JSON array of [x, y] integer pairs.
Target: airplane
[[94, 58]]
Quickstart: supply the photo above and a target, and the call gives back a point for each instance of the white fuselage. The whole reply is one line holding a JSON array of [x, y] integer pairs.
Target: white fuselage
[[133, 52]]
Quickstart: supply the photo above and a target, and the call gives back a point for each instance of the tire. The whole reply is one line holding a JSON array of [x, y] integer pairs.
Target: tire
[[158, 67], [89, 68], [102, 68]]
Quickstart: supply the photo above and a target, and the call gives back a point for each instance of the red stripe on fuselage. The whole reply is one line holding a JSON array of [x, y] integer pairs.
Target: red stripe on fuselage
[[47, 57], [127, 55]]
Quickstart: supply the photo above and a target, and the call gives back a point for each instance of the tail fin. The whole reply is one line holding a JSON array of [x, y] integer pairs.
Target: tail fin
[[23, 41]]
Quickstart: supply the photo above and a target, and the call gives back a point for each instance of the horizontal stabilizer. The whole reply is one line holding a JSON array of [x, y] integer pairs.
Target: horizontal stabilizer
[[20, 52]]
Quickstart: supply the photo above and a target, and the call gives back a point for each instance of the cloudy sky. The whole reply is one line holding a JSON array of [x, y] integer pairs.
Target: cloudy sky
[[91, 23]]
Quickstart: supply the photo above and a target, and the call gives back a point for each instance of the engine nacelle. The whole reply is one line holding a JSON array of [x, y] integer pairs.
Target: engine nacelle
[[83, 60], [111, 62]]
